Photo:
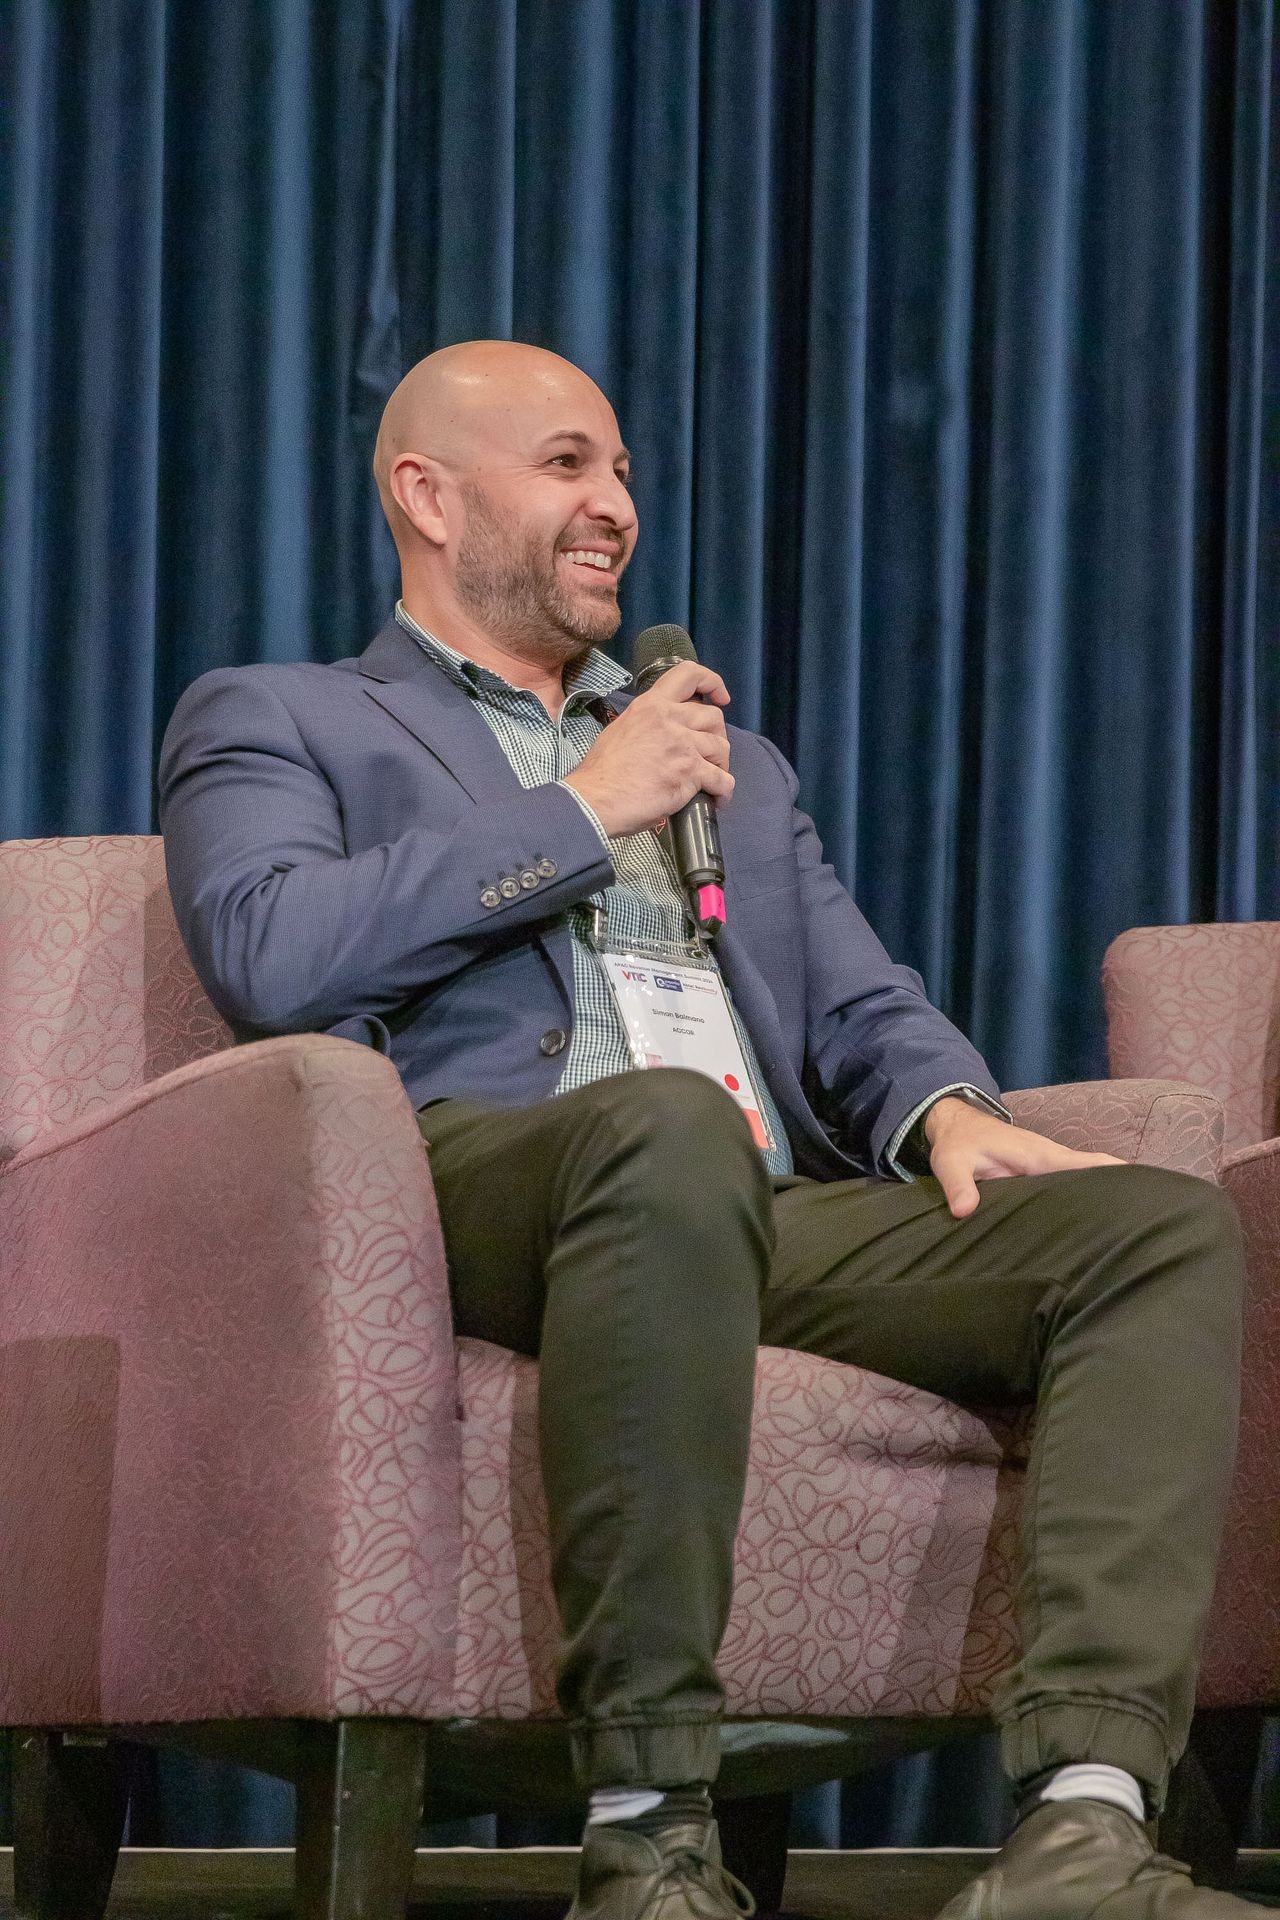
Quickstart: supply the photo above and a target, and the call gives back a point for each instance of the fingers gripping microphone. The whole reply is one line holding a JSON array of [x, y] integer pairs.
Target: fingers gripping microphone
[[695, 836]]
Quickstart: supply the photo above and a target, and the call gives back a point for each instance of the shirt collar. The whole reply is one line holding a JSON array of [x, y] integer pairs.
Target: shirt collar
[[595, 675]]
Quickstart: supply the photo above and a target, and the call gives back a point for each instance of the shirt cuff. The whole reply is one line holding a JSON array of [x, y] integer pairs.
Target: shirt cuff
[[588, 810], [961, 1090]]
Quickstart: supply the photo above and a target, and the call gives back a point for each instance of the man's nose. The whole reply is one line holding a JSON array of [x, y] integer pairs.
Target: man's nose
[[612, 501]]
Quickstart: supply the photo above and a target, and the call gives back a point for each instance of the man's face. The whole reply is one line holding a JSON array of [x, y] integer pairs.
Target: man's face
[[549, 528]]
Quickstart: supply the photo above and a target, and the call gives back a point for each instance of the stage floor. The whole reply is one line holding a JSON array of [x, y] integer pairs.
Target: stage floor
[[534, 1883]]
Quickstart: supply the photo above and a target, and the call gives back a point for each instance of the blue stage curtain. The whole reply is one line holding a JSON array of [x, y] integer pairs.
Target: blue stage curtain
[[946, 334]]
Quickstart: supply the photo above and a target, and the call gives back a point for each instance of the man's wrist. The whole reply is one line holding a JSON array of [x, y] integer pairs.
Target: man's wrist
[[908, 1153], [937, 1115], [587, 808]]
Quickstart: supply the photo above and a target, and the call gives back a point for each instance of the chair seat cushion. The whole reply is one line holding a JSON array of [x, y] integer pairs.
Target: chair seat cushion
[[873, 1563]]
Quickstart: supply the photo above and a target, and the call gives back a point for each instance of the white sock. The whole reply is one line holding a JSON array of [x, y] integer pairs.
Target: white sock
[[1093, 1781], [621, 1803]]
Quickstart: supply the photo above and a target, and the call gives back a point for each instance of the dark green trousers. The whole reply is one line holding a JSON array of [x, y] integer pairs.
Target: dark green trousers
[[628, 1235]]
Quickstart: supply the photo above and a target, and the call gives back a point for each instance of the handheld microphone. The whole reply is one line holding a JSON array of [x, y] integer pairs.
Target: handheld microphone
[[695, 835]]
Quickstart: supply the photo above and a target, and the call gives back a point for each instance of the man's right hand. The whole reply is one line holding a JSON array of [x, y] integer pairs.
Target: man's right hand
[[663, 748]]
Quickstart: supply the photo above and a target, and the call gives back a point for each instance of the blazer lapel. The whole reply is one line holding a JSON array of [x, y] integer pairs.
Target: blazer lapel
[[414, 691]]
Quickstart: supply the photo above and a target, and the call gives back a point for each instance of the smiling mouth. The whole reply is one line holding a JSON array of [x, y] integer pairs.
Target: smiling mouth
[[591, 565]]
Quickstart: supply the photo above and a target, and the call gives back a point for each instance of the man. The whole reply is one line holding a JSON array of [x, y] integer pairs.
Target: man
[[419, 848]]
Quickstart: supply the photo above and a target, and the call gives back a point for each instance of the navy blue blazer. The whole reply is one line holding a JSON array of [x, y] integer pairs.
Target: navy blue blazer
[[332, 834]]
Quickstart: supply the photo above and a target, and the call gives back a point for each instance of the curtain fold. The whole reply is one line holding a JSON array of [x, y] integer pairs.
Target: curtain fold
[[1249, 740], [945, 333], [82, 165]]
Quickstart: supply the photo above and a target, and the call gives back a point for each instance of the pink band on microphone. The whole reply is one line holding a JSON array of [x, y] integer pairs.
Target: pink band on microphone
[[711, 905]]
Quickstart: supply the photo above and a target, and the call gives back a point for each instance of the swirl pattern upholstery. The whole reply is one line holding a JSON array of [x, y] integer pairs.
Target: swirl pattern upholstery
[[97, 996], [230, 1286], [1202, 1003], [1157, 1122], [252, 1473]]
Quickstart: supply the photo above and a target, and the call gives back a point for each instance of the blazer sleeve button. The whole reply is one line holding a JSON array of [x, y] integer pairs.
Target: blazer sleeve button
[[528, 879], [490, 897], [554, 1040], [547, 869], [509, 887]]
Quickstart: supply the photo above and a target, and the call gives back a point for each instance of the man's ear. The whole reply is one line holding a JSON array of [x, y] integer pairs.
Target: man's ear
[[421, 488]]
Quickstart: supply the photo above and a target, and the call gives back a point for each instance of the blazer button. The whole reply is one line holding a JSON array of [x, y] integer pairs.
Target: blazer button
[[547, 869], [528, 879], [509, 887], [490, 897], [554, 1040]]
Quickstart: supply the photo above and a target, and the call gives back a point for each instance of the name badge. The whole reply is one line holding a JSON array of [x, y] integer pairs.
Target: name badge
[[677, 1015]]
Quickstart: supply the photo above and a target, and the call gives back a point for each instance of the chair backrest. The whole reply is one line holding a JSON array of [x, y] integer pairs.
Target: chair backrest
[[97, 995], [1201, 1004]]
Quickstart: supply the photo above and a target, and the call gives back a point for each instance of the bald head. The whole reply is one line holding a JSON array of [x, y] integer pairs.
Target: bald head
[[505, 483], [466, 401]]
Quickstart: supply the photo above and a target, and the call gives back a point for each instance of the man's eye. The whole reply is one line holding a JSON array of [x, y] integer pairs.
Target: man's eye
[[628, 480], [567, 459]]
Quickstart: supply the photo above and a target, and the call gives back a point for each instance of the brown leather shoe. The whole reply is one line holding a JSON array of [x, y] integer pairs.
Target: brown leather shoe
[[1083, 1860], [674, 1874]]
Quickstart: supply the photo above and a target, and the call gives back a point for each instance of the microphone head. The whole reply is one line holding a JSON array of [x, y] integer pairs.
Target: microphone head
[[660, 648]]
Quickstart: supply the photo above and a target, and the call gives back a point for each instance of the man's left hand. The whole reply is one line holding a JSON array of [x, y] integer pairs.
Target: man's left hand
[[967, 1145]]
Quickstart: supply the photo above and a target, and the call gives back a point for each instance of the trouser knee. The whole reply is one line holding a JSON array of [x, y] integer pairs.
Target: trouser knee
[[686, 1142], [1165, 1244]]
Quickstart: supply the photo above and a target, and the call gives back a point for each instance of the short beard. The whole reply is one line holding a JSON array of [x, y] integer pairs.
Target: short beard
[[507, 582]]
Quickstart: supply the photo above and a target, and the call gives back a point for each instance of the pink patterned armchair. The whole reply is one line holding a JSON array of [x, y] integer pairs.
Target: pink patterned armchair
[[1201, 1005], [260, 1502]]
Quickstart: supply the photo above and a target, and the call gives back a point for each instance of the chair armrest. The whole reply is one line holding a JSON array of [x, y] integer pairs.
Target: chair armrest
[[230, 1288], [1161, 1123], [1252, 1178], [1242, 1649]]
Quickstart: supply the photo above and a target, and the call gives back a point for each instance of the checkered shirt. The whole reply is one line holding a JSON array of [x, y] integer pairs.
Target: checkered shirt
[[644, 904]]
